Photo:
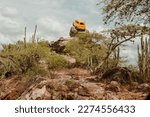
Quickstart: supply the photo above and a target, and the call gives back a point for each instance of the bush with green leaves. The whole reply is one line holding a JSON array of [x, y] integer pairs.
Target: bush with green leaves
[[18, 59], [87, 49], [56, 61]]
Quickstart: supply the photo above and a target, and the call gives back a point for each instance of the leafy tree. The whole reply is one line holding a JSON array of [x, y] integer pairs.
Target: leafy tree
[[89, 50], [125, 11], [137, 11], [129, 12], [122, 34]]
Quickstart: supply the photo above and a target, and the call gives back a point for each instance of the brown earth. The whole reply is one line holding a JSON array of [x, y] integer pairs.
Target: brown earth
[[70, 84]]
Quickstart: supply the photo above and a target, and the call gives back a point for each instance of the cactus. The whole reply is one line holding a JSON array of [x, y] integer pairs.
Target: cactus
[[34, 35], [144, 57], [25, 41]]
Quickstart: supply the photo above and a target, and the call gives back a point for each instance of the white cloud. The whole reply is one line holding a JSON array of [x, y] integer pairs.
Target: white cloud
[[53, 17], [130, 51], [9, 26], [3, 39], [50, 27], [8, 12]]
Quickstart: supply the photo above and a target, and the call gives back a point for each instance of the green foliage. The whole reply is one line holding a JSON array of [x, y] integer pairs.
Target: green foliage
[[36, 70], [88, 49], [71, 84], [131, 30], [56, 61], [120, 11], [18, 59], [43, 43]]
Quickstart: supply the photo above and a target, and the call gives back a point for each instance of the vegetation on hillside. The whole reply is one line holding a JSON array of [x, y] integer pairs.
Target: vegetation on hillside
[[88, 49], [18, 59], [129, 15], [94, 51]]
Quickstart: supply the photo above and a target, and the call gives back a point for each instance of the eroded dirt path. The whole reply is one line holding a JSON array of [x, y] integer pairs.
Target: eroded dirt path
[[71, 84]]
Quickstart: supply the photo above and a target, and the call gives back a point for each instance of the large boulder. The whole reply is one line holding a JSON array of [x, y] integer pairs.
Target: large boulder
[[120, 74], [59, 45]]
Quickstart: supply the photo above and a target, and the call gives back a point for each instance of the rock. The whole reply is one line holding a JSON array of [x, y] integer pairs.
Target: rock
[[113, 86], [83, 91], [144, 87], [38, 93], [72, 96], [1, 83], [114, 83], [135, 84], [147, 97], [120, 74], [110, 96], [65, 87], [58, 46], [11, 88], [73, 31], [69, 59]]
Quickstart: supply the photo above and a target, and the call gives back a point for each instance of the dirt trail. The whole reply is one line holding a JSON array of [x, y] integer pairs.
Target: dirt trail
[[71, 84]]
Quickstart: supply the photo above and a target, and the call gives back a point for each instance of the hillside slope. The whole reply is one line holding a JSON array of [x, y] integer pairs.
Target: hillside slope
[[47, 72], [70, 84]]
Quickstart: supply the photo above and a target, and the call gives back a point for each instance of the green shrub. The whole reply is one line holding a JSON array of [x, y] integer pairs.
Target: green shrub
[[56, 61], [72, 85], [18, 59], [88, 49]]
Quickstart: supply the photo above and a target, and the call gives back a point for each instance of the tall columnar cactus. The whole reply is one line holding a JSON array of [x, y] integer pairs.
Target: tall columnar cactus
[[144, 57], [34, 35], [25, 41]]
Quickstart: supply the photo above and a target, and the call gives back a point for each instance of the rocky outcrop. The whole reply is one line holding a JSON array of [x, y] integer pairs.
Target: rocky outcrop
[[120, 74], [71, 84], [11, 89], [59, 45]]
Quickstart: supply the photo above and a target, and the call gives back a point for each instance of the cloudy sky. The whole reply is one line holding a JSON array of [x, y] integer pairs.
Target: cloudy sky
[[53, 17]]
